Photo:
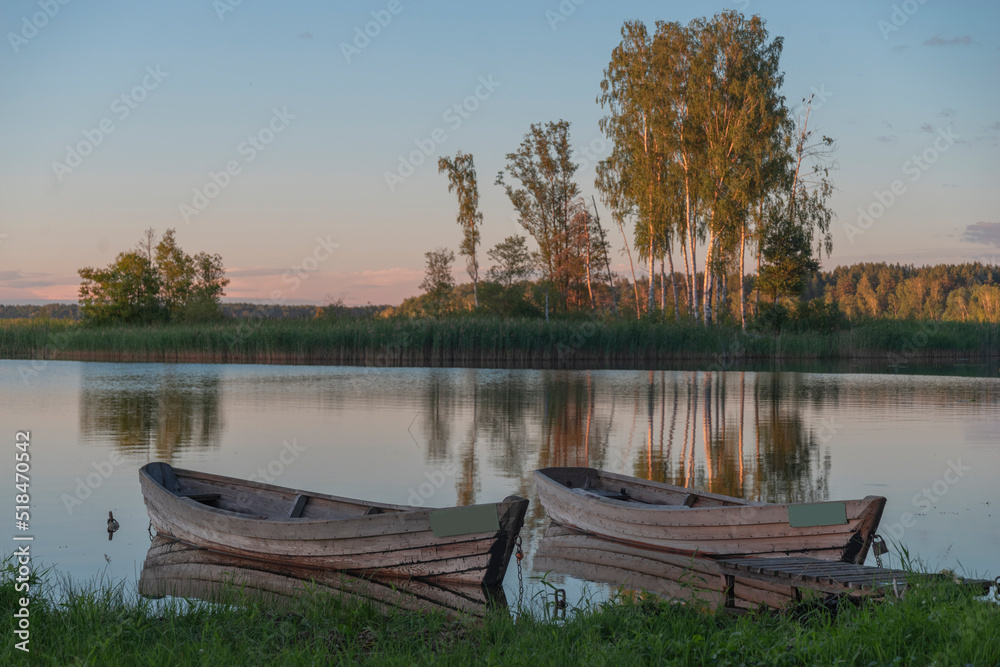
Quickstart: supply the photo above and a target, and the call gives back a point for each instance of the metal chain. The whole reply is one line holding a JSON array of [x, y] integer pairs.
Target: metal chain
[[996, 588], [519, 555], [150, 530], [879, 548]]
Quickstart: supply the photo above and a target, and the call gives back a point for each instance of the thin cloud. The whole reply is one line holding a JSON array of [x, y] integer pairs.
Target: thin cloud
[[984, 233], [947, 113], [995, 127], [245, 273], [18, 279], [963, 40], [886, 139], [926, 127], [305, 35]]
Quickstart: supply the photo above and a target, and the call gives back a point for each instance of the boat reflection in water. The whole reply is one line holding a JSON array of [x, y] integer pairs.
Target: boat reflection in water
[[181, 570], [564, 551]]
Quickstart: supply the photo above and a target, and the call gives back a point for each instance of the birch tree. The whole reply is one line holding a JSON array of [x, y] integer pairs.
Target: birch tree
[[543, 196], [461, 172]]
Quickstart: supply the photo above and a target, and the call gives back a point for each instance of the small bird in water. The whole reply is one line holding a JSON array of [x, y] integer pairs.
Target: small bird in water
[[112, 523]]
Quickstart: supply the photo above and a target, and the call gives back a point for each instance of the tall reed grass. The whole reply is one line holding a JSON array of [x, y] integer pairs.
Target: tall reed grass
[[487, 341]]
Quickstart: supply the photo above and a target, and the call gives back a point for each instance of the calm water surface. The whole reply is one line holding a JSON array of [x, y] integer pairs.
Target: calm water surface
[[441, 437]]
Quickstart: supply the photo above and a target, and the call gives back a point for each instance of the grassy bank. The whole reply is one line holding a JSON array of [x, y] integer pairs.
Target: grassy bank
[[940, 624], [492, 342]]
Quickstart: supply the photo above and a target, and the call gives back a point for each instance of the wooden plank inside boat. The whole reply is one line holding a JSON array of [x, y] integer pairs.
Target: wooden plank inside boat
[[824, 576]]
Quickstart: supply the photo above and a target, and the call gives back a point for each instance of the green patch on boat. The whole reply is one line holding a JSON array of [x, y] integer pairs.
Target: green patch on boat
[[817, 514], [465, 520]]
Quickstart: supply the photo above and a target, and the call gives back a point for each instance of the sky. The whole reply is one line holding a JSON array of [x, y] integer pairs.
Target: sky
[[299, 139]]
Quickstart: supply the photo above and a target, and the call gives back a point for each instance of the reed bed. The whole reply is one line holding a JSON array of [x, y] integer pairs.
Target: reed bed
[[493, 342]]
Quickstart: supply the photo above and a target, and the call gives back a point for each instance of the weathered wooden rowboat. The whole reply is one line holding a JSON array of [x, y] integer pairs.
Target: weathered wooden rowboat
[[470, 544], [679, 519], [182, 570]]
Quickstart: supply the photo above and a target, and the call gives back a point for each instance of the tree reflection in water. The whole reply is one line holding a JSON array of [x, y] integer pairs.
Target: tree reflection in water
[[739, 434], [156, 414]]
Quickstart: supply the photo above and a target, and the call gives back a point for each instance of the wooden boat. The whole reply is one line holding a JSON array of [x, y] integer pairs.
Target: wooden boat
[[631, 569], [679, 519], [470, 544], [183, 570]]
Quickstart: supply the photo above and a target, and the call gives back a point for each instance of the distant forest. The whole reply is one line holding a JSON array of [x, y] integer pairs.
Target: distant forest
[[953, 292], [241, 311]]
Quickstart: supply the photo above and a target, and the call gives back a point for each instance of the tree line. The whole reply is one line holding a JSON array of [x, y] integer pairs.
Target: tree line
[[154, 282], [705, 157]]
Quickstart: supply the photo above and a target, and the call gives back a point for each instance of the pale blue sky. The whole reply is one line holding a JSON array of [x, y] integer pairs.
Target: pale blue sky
[[343, 125]]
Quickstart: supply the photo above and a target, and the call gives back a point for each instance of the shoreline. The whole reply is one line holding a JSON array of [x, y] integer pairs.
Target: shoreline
[[482, 342]]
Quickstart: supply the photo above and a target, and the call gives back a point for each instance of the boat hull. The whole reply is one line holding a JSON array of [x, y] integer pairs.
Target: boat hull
[[712, 526], [182, 570], [369, 539]]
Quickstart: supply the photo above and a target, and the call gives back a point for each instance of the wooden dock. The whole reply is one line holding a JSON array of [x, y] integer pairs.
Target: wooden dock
[[825, 576]]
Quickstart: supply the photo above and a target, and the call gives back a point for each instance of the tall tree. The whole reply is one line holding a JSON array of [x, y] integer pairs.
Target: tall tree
[[628, 178], [127, 291], [738, 106], [462, 180], [177, 272], [438, 283], [513, 262], [543, 167]]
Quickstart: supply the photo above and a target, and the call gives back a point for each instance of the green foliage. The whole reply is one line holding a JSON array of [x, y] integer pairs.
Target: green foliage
[[816, 316], [546, 198], [510, 301], [109, 624], [787, 259], [154, 284], [438, 283], [127, 291], [513, 262]]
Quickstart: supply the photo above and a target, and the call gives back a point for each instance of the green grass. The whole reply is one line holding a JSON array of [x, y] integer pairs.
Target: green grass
[[939, 624], [491, 341]]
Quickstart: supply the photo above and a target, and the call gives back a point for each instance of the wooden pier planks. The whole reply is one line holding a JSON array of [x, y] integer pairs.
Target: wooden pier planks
[[826, 576]]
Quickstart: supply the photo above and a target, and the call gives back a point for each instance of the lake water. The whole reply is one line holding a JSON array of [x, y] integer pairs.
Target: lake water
[[440, 437]]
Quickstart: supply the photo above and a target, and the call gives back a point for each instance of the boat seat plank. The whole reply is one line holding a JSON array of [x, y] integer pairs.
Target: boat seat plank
[[201, 497], [689, 500], [298, 506]]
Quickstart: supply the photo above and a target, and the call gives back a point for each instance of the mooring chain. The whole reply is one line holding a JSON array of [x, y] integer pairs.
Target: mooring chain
[[519, 555], [879, 548], [996, 588]]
